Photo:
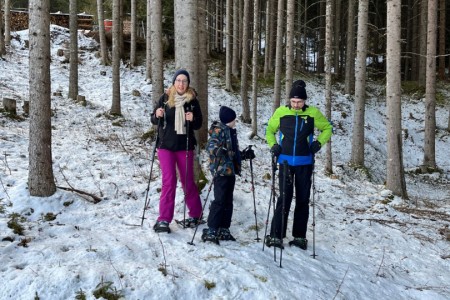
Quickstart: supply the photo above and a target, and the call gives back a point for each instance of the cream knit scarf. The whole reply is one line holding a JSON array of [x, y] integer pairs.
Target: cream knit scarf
[[180, 100]]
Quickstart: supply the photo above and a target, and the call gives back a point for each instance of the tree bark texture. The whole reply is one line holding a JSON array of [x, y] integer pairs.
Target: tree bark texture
[[101, 32], [73, 76], [350, 53], [429, 150], [2, 38], [148, 43], [133, 34], [357, 156], [229, 47], [7, 10], [202, 86], [157, 50], [41, 180], [278, 57], [290, 36], [328, 63], [116, 107], [255, 68], [244, 69], [395, 179]]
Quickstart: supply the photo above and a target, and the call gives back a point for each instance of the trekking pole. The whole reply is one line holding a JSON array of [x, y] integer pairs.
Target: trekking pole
[[253, 190], [206, 200], [272, 195], [147, 200], [186, 173], [283, 202], [314, 208]]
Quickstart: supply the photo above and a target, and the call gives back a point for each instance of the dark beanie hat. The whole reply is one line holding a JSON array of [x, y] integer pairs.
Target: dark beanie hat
[[226, 114], [181, 72], [298, 90]]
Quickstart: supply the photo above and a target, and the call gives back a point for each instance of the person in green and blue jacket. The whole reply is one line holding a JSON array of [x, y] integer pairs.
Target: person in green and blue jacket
[[296, 145]]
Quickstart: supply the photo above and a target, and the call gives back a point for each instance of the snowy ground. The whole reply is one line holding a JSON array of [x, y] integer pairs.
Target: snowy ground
[[369, 244]]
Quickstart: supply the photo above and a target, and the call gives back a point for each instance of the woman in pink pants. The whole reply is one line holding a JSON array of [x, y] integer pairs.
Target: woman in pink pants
[[178, 115]]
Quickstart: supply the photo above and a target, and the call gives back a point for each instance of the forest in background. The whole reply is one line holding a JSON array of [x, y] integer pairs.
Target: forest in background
[[403, 44]]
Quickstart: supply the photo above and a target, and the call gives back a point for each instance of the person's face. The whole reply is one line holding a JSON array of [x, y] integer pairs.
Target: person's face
[[232, 124], [181, 84], [297, 103]]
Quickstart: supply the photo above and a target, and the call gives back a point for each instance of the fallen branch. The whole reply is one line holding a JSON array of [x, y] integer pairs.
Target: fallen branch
[[95, 198], [385, 222], [72, 189], [340, 284], [381, 263]]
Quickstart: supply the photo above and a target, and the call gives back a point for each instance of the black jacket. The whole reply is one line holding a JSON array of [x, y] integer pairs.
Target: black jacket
[[168, 138]]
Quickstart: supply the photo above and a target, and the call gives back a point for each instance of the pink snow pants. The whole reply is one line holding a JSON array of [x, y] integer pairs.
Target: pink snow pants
[[169, 160]]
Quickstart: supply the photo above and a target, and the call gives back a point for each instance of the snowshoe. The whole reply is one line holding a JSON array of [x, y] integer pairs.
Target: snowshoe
[[302, 243], [273, 241], [161, 226], [225, 235], [210, 235], [190, 222]]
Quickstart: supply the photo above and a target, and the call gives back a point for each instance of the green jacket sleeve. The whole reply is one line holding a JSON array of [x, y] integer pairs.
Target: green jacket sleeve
[[272, 128], [325, 127]]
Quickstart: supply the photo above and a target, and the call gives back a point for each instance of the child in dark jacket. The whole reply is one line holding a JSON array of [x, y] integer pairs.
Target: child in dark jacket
[[225, 163]]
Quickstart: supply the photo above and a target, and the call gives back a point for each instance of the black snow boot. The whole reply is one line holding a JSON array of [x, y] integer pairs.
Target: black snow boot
[[225, 235], [273, 241], [210, 235], [190, 222], [302, 243], [161, 226]]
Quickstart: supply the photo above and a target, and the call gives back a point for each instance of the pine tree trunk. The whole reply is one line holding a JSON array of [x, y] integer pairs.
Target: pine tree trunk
[[41, 181], [395, 179], [337, 37], [236, 43], [357, 156], [423, 42], [133, 34], [350, 54], [229, 47], [429, 150], [116, 107], [328, 62], [101, 32], [7, 23], [157, 50], [290, 26], [298, 28], [278, 57], [73, 24], [2, 39], [255, 67], [244, 71], [442, 55], [269, 38], [203, 70], [148, 43]]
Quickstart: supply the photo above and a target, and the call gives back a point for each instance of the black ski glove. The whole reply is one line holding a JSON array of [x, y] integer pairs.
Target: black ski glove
[[275, 150], [315, 147], [248, 154]]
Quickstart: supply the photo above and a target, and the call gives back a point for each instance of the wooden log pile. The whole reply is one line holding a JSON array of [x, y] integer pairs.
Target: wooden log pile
[[19, 20]]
